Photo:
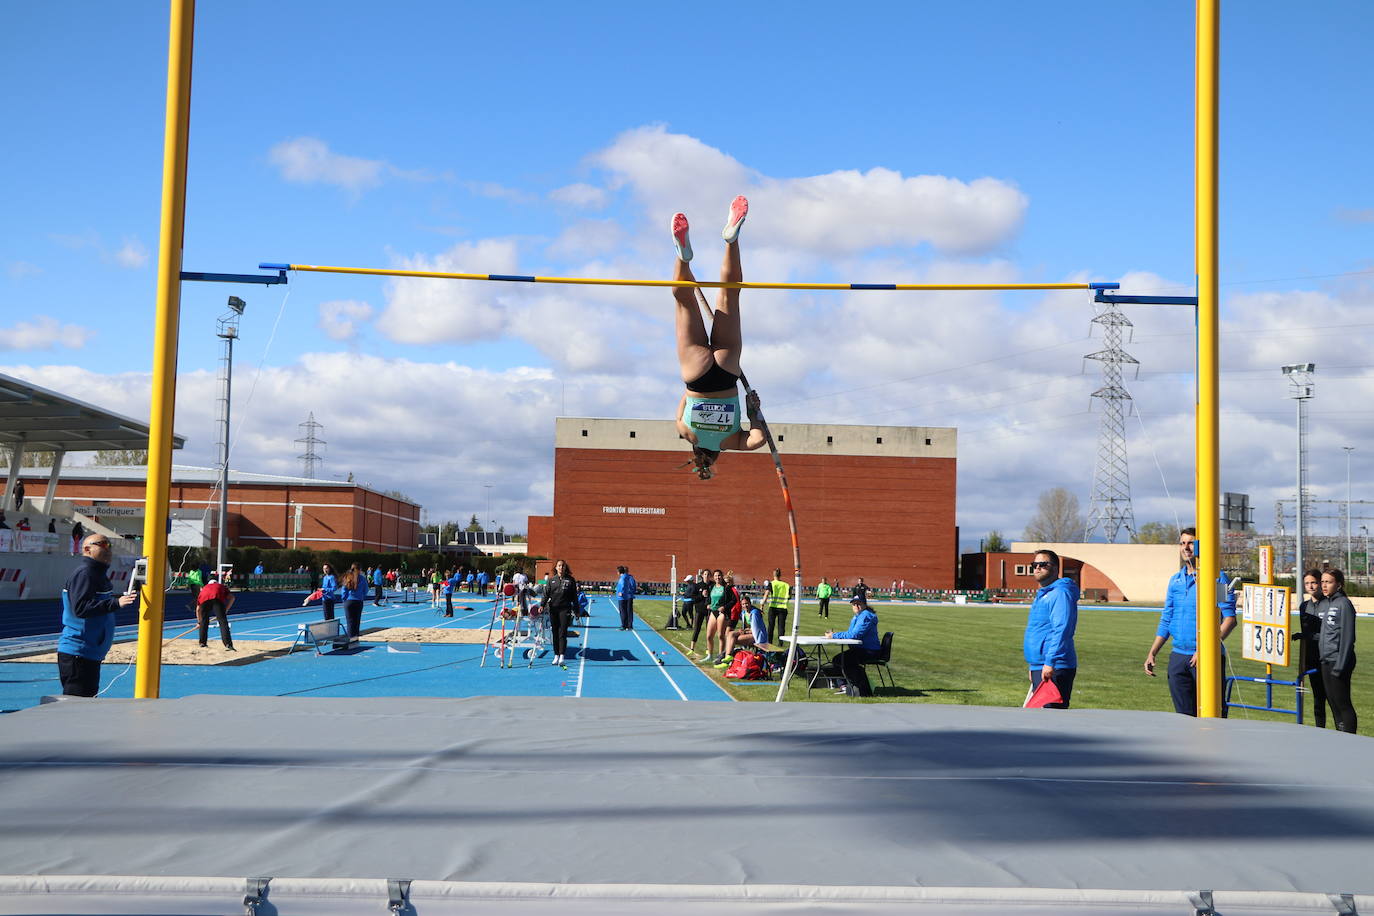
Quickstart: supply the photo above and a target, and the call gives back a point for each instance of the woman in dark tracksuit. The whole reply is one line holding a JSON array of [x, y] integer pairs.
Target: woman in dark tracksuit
[[1336, 645], [355, 593], [1309, 657], [560, 597], [700, 590]]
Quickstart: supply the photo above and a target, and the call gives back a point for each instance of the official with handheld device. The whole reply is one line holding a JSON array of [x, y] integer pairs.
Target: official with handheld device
[[88, 617]]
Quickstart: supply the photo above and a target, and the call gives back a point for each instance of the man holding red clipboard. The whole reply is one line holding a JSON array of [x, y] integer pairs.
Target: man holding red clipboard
[[1048, 643]]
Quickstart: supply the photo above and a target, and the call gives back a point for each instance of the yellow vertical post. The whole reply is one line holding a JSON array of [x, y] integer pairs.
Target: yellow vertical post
[[1208, 490], [148, 675]]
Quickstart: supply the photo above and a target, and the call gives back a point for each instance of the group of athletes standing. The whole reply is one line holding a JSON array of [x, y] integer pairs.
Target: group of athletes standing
[[713, 600]]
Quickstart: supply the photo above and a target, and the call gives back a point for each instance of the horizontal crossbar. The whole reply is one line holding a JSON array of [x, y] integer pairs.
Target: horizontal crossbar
[[702, 284]]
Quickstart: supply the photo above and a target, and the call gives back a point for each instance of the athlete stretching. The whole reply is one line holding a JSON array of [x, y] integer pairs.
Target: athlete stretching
[[708, 416]]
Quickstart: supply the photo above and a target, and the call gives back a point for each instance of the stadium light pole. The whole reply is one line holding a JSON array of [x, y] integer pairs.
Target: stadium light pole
[[1300, 388], [1348, 450], [227, 330]]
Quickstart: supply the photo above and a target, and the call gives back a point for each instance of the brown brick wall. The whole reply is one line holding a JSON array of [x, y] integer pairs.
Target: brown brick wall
[[881, 518], [539, 534], [334, 518]]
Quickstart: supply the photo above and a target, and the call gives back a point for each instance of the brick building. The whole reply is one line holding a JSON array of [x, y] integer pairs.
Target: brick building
[[1011, 572], [871, 501], [264, 510]]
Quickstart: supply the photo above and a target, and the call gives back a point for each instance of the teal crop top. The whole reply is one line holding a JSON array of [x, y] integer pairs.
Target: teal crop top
[[712, 419]]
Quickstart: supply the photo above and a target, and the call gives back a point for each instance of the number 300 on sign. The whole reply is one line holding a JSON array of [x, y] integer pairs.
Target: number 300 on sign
[[1266, 643]]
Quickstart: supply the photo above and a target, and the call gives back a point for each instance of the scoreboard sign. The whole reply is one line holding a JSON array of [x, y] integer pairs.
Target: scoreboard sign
[[1264, 627]]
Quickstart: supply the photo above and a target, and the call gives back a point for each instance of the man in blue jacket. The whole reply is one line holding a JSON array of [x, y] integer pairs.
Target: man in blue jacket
[[378, 587], [863, 626], [88, 619], [1048, 642], [625, 588], [1179, 622]]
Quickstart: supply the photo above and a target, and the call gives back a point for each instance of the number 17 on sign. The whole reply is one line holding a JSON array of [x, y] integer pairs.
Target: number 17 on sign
[[1265, 624]]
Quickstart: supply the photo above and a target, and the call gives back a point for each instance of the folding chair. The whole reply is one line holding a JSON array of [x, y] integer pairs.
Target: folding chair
[[880, 661]]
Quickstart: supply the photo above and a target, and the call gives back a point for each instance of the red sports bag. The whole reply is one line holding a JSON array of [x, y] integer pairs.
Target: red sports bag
[[746, 666]]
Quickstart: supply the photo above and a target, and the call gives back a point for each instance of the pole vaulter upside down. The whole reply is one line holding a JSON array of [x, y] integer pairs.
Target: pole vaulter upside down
[[708, 414]]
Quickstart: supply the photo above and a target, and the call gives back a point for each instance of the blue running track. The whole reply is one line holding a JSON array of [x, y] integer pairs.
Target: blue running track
[[602, 662]]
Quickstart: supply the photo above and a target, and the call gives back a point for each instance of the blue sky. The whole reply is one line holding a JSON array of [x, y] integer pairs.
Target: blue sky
[[878, 141]]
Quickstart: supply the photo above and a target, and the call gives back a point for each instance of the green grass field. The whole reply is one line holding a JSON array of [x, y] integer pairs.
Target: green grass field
[[971, 654]]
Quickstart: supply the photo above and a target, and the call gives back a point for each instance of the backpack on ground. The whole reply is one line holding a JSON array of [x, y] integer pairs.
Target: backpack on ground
[[747, 665]]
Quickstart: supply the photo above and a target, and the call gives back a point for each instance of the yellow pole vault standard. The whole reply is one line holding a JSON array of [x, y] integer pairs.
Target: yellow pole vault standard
[[148, 676], [1208, 384], [700, 284]]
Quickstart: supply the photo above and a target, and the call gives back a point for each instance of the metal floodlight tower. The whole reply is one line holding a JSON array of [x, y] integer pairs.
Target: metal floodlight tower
[[1300, 388], [226, 329], [310, 457], [1110, 506], [1348, 450]]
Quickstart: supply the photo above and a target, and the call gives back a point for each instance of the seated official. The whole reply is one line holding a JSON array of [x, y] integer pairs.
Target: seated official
[[863, 626], [756, 635]]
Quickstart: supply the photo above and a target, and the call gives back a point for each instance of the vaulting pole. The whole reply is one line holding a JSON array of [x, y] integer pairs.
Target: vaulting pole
[[148, 675], [1208, 476], [791, 523]]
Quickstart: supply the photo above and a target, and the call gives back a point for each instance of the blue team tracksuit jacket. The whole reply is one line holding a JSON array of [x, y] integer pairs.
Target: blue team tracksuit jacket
[[88, 611], [1049, 629]]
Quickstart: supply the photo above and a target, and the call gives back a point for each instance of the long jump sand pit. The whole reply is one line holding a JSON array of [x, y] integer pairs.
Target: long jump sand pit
[[182, 652], [427, 634]]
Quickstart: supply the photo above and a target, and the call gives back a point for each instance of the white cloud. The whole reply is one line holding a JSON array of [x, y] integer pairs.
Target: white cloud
[[580, 195], [495, 191], [496, 426], [852, 211], [587, 238], [339, 319], [450, 311], [44, 333], [1349, 215], [841, 212], [667, 172], [309, 160], [132, 254], [17, 270]]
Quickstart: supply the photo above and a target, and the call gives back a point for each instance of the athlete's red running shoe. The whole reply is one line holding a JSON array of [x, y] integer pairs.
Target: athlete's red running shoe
[[739, 209], [680, 240]]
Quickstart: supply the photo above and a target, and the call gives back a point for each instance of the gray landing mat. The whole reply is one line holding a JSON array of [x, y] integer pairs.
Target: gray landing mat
[[557, 803]]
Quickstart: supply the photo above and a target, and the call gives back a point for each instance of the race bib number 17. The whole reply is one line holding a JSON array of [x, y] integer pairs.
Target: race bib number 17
[[718, 416]]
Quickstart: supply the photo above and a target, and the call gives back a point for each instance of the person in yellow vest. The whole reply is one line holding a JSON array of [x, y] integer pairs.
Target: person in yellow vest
[[778, 594]]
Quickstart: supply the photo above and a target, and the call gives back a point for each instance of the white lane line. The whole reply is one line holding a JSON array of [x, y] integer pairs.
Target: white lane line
[[662, 668], [582, 657]]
